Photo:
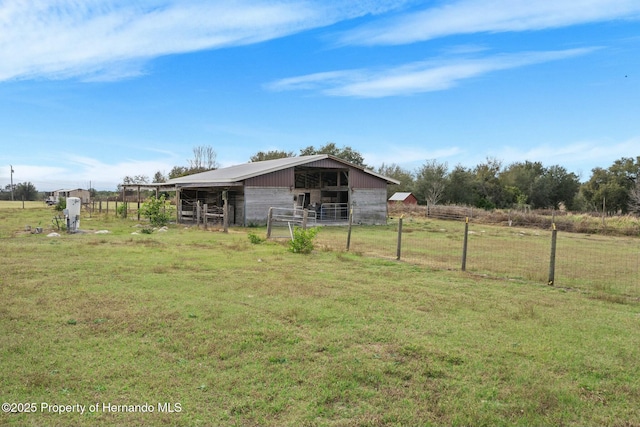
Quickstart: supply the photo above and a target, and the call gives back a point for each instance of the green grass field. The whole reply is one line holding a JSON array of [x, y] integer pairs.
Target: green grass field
[[206, 328]]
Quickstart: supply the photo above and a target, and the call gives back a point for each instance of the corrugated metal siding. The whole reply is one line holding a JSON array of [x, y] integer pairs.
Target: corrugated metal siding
[[326, 163], [369, 206], [258, 200], [359, 179], [283, 178]]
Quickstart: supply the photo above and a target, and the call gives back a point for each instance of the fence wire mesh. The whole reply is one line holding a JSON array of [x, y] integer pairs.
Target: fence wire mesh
[[598, 264]]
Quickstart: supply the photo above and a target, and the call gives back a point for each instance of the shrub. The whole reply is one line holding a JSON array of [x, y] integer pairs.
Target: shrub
[[61, 205], [255, 239], [121, 211], [155, 209], [302, 242]]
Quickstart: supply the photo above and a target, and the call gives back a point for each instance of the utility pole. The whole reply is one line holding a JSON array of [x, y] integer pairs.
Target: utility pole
[[11, 167]]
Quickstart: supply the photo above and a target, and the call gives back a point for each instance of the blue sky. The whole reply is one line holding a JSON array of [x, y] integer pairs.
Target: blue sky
[[92, 91]]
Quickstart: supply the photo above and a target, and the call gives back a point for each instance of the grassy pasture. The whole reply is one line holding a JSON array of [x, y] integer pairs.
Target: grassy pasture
[[242, 334], [603, 266]]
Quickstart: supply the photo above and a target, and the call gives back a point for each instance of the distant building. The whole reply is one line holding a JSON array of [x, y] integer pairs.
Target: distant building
[[404, 198], [83, 195]]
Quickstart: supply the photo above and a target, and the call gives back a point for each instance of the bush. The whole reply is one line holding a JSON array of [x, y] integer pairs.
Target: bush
[[255, 239], [121, 211], [302, 242], [155, 209], [61, 205]]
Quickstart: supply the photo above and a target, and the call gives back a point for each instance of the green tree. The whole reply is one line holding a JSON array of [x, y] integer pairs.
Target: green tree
[[611, 188], [634, 198], [489, 193], [518, 181], [396, 172], [25, 191], [430, 182], [345, 153], [554, 187], [271, 155], [159, 177], [178, 171], [459, 186]]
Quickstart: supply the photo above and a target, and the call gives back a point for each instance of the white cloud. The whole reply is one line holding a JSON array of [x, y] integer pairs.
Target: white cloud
[[490, 16], [81, 171], [417, 77], [112, 39]]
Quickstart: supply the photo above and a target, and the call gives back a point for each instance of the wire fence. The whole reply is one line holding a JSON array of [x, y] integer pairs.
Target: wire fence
[[604, 265]]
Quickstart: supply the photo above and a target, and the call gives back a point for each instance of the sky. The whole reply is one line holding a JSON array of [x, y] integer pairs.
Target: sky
[[92, 91]]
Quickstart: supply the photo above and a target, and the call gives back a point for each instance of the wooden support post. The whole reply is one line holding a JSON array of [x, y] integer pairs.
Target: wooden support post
[[138, 203], [178, 206], [399, 246], [552, 259], [225, 211], [349, 229], [205, 209], [465, 240], [197, 208], [124, 202], [269, 221]]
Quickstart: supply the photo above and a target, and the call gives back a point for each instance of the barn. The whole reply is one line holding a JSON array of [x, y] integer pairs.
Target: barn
[[403, 198], [324, 184]]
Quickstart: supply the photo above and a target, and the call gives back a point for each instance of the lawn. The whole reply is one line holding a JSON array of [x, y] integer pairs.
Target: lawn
[[194, 327]]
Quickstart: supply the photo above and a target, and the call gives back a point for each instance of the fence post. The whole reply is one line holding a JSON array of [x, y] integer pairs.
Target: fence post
[[552, 260], [124, 202], [225, 211], [349, 229], [465, 241], [399, 249], [305, 217], [197, 207], [138, 203], [269, 221], [205, 209]]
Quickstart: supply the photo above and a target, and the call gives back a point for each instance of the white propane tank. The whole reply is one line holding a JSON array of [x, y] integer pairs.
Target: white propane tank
[[73, 214]]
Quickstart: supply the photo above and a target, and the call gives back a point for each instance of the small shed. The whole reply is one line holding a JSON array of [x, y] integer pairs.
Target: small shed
[[404, 198]]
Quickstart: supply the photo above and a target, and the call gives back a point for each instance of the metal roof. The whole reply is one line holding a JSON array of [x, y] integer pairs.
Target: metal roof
[[399, 197], [235, 174]]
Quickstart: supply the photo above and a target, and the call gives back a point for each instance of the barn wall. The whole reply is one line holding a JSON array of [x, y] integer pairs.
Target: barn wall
[[359, 179], [237, 200], [282, 178], [258, 200], [369, 205]]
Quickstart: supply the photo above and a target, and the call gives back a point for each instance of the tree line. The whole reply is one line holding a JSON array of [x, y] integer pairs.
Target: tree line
[[488, 185], [491, 185]]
